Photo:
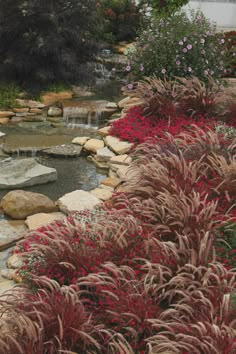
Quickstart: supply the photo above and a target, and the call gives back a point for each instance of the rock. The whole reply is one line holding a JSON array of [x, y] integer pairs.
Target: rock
[[115, 167], [33, 118], [4, 121], [101, 193], [94, 145], [77, 201], [58, 125], [16, 120], [67, 150], [111, 105], [104, 131], [20, 110], [54, 119], [7, 273], [104, 154], [111, 182], [118, 146], [23, 173], [99, 164], [121, 160], [80, 140], [19, 204], [35, 110], [50, 98], [111, 189], [10, 233], [122, 172], [30, 103], [6, 114], [2, 134], [112, 174], [15, 261], [42, 219], [54, 112], [123, 102]]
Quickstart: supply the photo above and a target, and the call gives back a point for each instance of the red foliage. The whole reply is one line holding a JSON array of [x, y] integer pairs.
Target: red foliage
[[136, 127]]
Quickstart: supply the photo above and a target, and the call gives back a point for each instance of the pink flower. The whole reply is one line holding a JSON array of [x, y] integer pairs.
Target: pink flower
[[130, 86], [222, 40], [189, 46], [202, 40], [181, 42], [141, 68], [128, 68], [199, 18], [163, 71], [189, 69], [177, 62], [185, 50]]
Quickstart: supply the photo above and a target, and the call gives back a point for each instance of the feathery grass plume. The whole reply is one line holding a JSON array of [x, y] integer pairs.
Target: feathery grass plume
[[158, 97], [196, 97], [227, 107], [47, 321]]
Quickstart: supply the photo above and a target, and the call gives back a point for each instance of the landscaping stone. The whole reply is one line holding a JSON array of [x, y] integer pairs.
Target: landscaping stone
[[111, 105], [23, 173], [35, 110], [123, 102], [67, 150], [6, 285], [121, 160], [122, 172], [11, 231], [15, 261], [112, 174], [2, 134], [80, 140], [19, 204], [42, 219], [103, 186], [54, 119], [104, 131], [93, 145], [34, 125], [101, 193], [50, 98], [33, 118], [129, 102], [4, 121], [5, 114], [76, 201], [111, 182], [99, 164], [16, 120], [30, 103], [118, 146], [20, 110], [54, 112], [104, 154]]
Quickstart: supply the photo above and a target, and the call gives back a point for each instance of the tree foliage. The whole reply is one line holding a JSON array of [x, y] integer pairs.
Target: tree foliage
[[167, 7], [44, 41]]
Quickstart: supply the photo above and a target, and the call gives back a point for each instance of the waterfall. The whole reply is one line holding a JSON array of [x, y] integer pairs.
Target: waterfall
[[82, 117]]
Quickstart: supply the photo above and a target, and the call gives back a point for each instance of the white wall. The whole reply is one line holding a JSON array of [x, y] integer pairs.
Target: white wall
[[221, 12]]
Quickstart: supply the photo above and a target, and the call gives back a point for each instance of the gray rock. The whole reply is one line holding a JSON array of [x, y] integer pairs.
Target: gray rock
[[77, 201], [118, 146], [104, 154], [54, 112], [25, 172], [67, 150], [10, 233]]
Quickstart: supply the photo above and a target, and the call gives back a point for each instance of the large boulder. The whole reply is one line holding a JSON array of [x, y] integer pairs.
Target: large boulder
[[65, 150], [118, 146], [54, 112], [25, 172], [43, 219], [11, 231], [94, 145], [19, 204], [77, 201]]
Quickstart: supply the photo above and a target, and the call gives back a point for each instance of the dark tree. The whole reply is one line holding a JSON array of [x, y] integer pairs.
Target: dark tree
[[45, 41]]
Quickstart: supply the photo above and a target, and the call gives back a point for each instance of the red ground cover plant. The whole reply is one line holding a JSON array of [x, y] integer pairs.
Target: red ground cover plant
[[147, 277]]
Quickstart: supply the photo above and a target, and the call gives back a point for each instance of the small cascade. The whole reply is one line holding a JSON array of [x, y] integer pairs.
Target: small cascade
[[86, 114], [101, 73]]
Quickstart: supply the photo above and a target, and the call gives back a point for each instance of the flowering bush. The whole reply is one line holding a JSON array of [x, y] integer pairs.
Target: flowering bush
[[230, 44], [179, 46]]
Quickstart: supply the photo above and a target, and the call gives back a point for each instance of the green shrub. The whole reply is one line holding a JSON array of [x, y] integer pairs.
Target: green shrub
[[179, 46], [8, 94], [167, 7], [121, 19]]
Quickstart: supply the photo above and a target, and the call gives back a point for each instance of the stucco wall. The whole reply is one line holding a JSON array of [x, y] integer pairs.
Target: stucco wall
[[221, 12]]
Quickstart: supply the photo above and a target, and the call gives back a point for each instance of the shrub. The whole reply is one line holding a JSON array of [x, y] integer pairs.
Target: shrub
[[46, 42], [165, 8], [230, 44], [179, 46], [121, 19], [8, 94]]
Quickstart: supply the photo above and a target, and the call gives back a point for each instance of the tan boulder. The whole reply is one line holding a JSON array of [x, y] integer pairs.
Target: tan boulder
[[15, 261], [19, 204], [104, 131], [20, 110], [35, 110], [30, 103], [42, 219], [5, 114], [76, 201], [94, 145], [118, 146], [121, 160], [111, 182], [101, 193], [52, 97], [4, 121], [80, 140], [54, 112]]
